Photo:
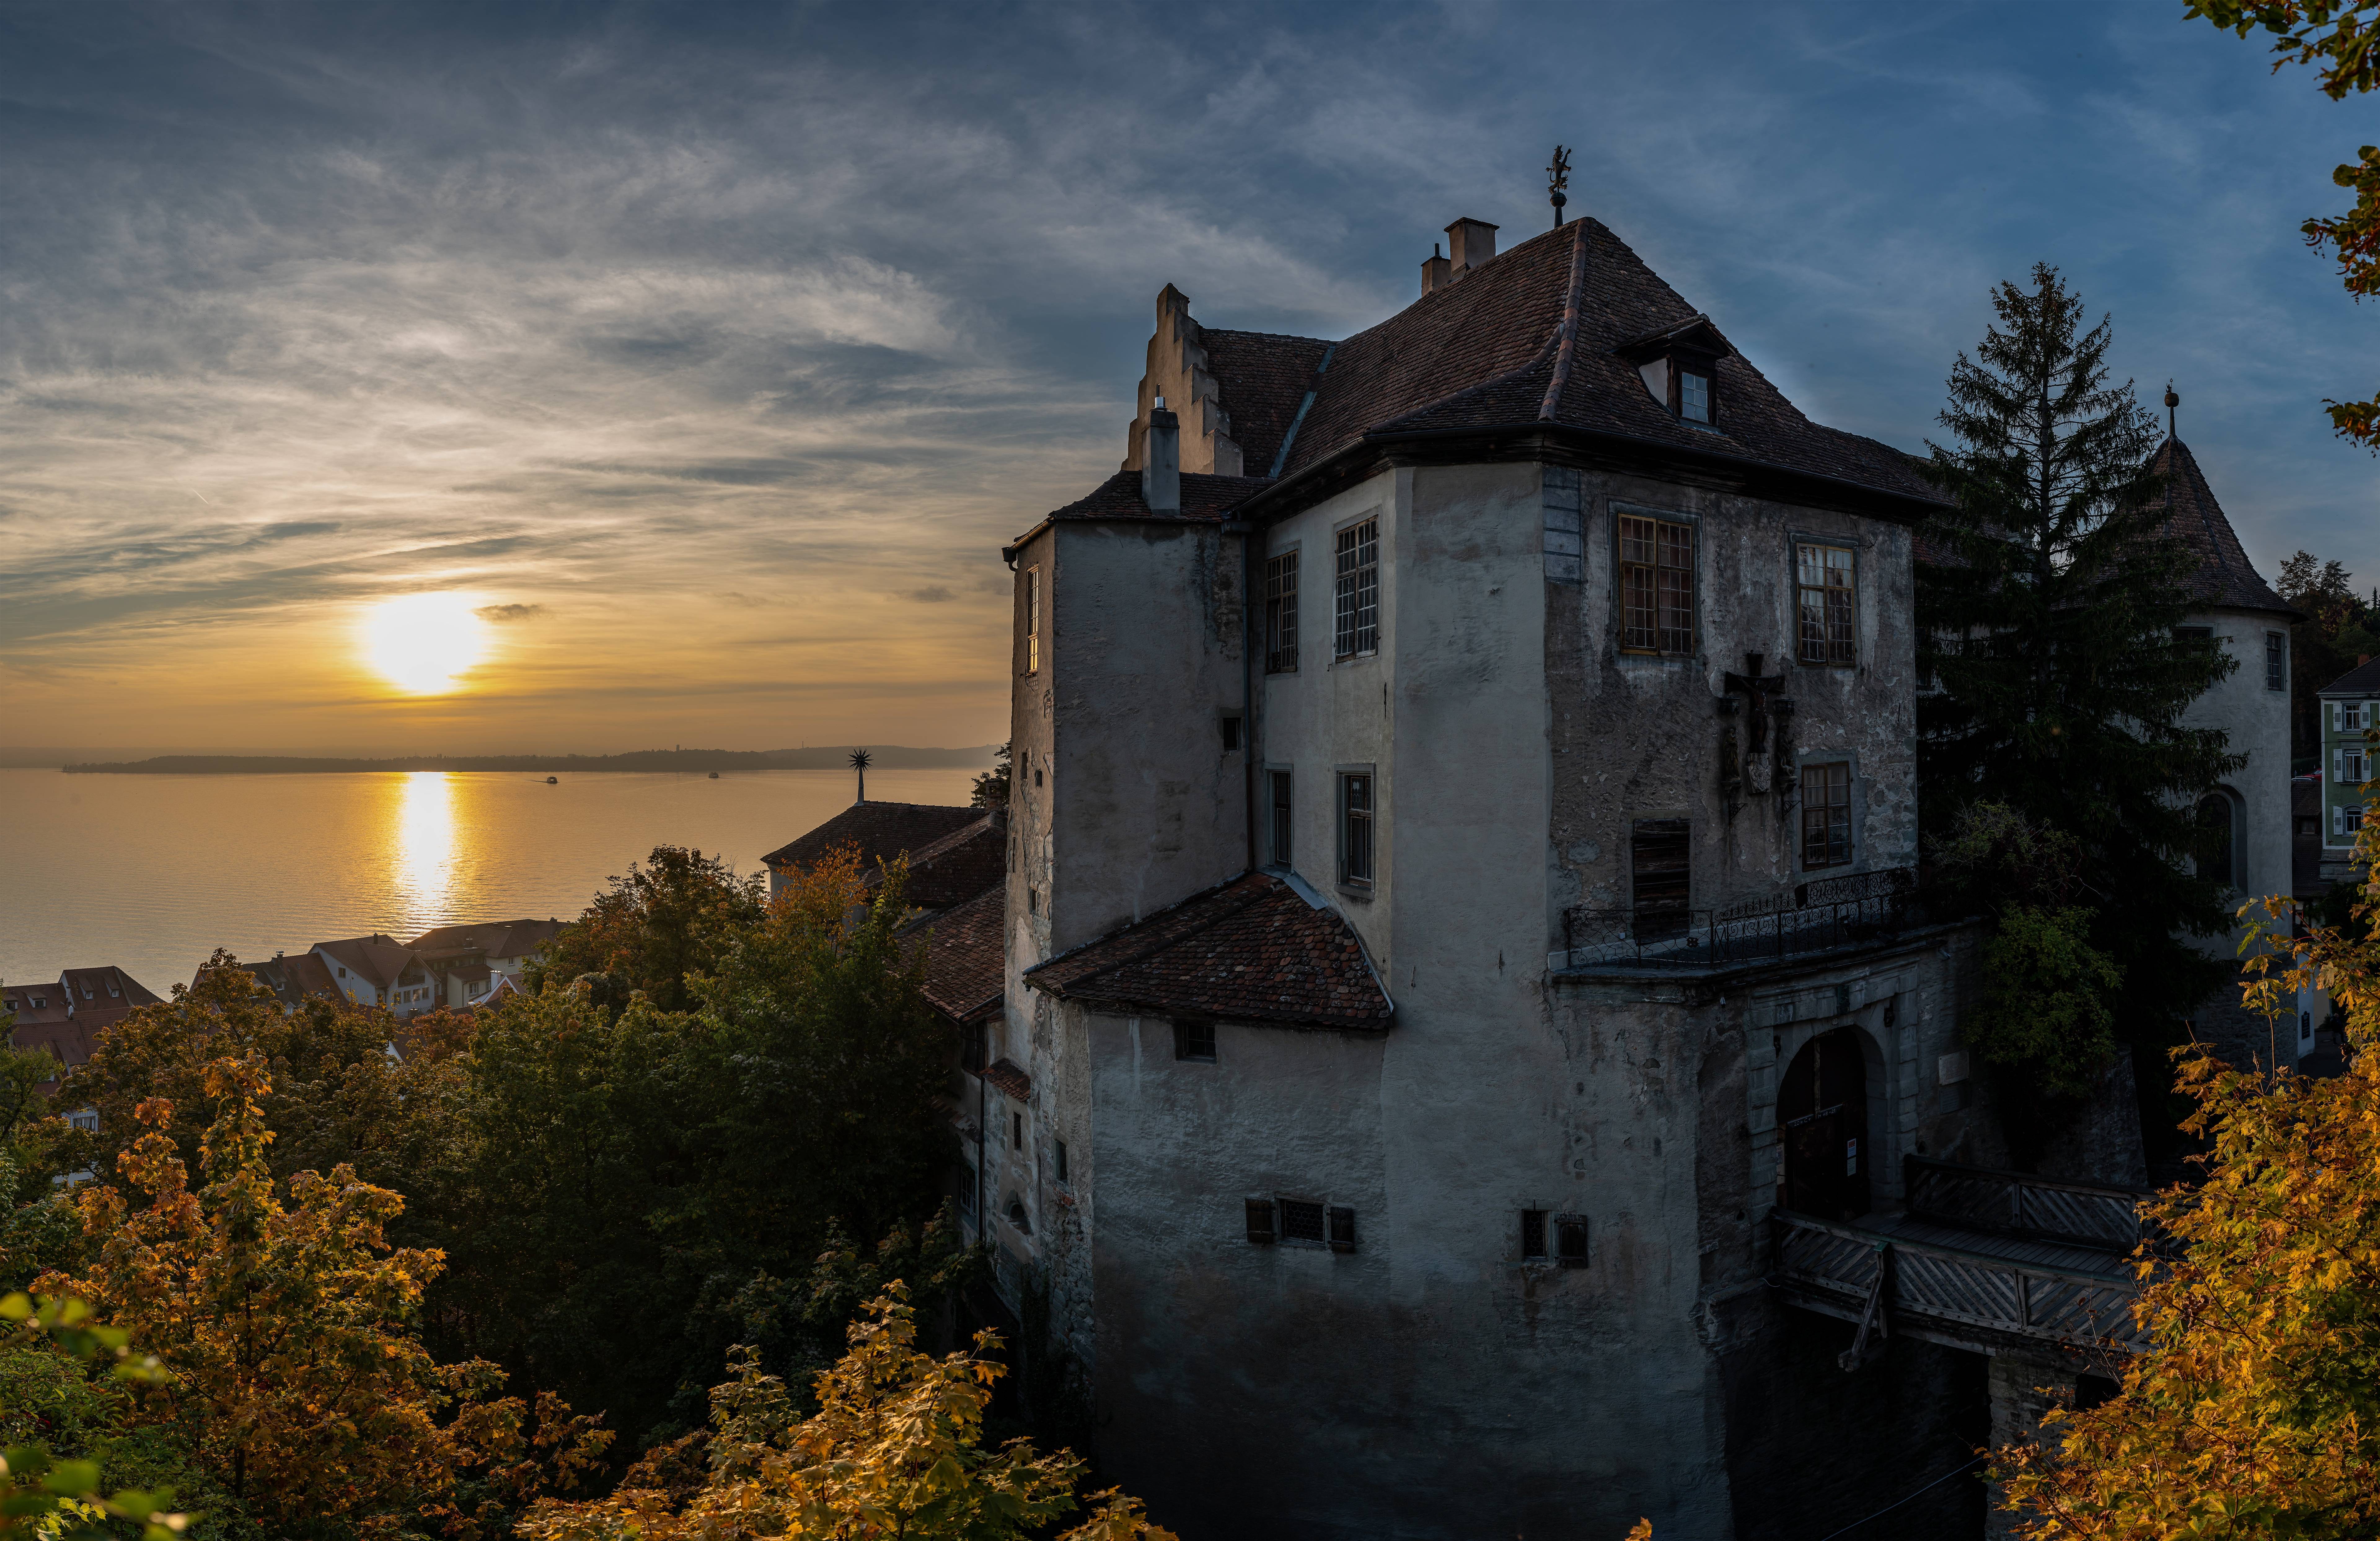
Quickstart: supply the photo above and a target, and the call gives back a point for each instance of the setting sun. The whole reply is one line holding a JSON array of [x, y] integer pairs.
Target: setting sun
[[421, 643]]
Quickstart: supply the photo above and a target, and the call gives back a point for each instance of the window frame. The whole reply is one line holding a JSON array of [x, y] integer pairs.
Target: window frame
[[1349, 576], [1828, 832], [1690, 529], [2277, 660], [1837, 653], [1349, 819], [1281, 580], [1189, 1034], [1281, 788], [1637, 908], [1033, 619], [2224, 799], [1533, 1233], [1320, 1239]]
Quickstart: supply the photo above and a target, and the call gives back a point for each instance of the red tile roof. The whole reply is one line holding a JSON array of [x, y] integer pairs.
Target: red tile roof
[[291, 979], [1251, 950], [377, 960], [1009, 1079], [1203, 499], [99, 996], [1260, 378], [956, 868], [494, 939], [2224, 579], [881, 830], [966, 956]]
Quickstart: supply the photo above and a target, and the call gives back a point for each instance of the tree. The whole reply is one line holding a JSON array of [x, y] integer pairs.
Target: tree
[[42, 1494], [620, 1154], [992, 787], [2047, 614], [896, 1450], [2334, 633], [2348, 53], [2252, 1412], [292, 1374], [673, 917]]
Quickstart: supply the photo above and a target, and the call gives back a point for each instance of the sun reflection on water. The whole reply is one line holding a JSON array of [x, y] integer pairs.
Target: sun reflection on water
[[425, 847]]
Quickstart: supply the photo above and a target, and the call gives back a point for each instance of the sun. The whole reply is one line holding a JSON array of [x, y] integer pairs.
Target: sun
[[422, 643]]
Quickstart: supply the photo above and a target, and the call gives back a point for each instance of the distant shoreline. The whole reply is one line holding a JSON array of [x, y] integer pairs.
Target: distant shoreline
[[892, 758]]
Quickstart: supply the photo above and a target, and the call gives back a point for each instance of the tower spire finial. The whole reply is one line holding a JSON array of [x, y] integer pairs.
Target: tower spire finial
[[1557, 178], [2172, 400]]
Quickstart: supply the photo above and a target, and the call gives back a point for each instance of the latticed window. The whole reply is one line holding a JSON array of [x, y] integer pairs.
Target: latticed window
[[1826, 815], [1827, 629], [1280, 614], [1357, 589], [1355, 829], [1657, 580], [1660, 862], [1302, 1220], [2277, 660]]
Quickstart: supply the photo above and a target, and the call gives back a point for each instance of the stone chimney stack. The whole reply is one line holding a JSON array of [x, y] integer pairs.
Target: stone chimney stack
[[1160, 461], [1469, 242], [1437, 273]]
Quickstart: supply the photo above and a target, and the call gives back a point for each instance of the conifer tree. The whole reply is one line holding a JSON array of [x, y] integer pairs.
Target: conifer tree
[[2047, 610]]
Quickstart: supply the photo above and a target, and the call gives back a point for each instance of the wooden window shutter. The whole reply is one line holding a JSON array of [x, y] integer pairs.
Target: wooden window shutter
[[1569, 1240], [1342, 1228], [1260, 1222]]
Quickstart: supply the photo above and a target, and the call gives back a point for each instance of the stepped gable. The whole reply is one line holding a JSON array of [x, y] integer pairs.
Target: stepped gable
[[1260, 378], [2225, 578], [881, 830], [1251, 950], [966, 955], [1205, 499], [1488, 350]]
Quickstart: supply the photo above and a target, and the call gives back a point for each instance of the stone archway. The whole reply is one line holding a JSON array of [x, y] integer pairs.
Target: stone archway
[[1822, 1125]]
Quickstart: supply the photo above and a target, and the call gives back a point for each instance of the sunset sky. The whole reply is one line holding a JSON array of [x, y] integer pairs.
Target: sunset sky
[[675, 373]]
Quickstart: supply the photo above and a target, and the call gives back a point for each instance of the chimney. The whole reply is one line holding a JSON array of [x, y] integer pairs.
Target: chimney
[[1469, 242], [1160, 461], [1437, 273]]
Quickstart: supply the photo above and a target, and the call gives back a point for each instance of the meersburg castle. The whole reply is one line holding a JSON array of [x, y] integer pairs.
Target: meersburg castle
[[1472, 1056]]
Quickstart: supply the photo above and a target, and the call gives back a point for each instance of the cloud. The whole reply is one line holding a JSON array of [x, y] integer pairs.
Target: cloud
[[932, 594], [501, 613]]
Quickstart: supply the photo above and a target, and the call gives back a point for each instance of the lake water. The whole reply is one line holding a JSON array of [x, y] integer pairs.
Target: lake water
[[152, 873]]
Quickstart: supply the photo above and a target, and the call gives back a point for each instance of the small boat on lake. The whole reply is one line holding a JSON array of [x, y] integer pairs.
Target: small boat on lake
[[715, 775], [553, 781]]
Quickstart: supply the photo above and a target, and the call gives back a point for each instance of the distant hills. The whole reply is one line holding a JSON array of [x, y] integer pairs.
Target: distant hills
[[830, 757]]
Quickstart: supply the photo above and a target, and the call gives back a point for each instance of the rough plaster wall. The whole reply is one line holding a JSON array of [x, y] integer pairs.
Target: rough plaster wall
[[1635, 736], [1245, 1389]]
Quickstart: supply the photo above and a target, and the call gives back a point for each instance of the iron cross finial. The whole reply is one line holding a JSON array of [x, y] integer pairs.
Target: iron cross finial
[[1557, 178]]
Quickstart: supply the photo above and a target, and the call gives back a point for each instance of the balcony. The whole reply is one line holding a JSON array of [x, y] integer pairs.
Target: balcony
[[1815, 916]]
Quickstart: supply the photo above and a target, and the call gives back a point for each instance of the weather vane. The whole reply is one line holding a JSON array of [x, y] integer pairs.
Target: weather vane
[[1557, 178]]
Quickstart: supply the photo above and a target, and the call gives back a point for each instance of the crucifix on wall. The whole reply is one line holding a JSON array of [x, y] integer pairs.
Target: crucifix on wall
[[1770, 714]]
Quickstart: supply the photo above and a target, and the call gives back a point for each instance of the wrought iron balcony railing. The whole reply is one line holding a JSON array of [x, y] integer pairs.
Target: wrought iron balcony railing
[[1812, 917]]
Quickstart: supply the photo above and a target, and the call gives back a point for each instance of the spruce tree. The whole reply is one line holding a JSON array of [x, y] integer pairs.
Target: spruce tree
[[2047, 606]]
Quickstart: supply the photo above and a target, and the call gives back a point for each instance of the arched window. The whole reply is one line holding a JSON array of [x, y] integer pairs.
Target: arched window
[[2215, 815]]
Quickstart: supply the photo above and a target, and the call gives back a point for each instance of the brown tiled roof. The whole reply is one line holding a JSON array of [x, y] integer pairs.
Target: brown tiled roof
[[1009, 1078], [1204, 498], [2361, 680], [292, 980], [68, 1042], [494, 939], [1250, 950], [377, 960], [87, 997], [956, 868], [966, 955], [1260, 378], [2223, 579], [1491, 350], [881, 830]]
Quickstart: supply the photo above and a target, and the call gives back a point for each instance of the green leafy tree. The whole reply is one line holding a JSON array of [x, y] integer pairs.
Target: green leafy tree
[[2336, 631], [2251, 1414], [671, 919], [2049, 618], [992, 787], [2343, 40], [896, 1450], [44, 1494]]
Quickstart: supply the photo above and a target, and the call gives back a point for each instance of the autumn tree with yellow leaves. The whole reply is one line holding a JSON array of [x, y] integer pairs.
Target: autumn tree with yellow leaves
[[896, 1450], [284, 1329], [2255, 1411]]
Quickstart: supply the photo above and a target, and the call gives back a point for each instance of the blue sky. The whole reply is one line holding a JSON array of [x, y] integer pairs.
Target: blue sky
[[710, 351]]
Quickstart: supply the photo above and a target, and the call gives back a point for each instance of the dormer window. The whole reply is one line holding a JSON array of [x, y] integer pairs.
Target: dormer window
[[1680, 368]]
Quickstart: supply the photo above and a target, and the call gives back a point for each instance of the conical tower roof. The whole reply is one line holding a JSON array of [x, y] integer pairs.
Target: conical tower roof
[[2224, 579]]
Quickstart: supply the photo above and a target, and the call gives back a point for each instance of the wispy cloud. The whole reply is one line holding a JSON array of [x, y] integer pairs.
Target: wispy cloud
[[730, 346]]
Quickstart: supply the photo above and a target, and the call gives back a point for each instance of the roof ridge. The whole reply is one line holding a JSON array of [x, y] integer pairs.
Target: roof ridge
[[1568, 330]]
